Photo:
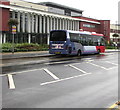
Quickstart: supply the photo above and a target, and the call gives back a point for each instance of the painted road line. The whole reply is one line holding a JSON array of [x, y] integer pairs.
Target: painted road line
[[89, 60], [21, 72], [112, 67], [59, 80], [78, 69], [51, 74], [56, 62], [11, 82], [111, 63], [73, 64], [97, 66], [86, 58]]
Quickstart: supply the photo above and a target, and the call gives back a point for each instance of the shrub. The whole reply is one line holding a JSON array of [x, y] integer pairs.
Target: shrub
[[6, 47]]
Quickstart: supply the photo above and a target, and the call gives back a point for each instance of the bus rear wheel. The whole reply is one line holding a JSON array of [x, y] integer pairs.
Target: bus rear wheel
[[98, 51], [79, 53]]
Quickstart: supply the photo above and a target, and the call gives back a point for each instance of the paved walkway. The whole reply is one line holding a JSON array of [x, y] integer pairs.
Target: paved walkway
[[34, 54], [24, 54]]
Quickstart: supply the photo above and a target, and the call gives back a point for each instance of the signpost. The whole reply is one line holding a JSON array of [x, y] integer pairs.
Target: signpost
[[13, 32]]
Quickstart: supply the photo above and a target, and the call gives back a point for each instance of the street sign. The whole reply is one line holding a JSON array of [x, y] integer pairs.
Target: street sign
[[13, 29]]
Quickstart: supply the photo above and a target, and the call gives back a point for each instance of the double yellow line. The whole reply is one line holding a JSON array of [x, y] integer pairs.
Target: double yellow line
[[114, 106]]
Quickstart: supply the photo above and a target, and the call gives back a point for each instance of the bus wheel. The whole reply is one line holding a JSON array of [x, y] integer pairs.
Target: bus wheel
[[98, 51], [79, 53]]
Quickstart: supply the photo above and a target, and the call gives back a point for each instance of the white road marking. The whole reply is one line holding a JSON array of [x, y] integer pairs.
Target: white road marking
[[73, 64], [86, 58], [51, 82], [51, 74], [23, 63], [112, 68], [78, 69], [111, 63], [56, 62], [11, 82], [97, 65], [89, 60], [21, 72]]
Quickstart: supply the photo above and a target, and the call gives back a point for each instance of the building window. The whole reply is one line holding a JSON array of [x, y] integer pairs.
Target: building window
[[67, 12], [16, 14], [89, 25], [10, 14]]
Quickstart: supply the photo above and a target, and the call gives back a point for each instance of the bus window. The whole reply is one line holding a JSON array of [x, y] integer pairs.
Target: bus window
[[84, 39], [95, 41], [74, 37], [58, 36], [90, 40], [102, 42]]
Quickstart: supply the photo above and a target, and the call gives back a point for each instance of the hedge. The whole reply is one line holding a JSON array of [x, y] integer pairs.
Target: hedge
[[23, 47]]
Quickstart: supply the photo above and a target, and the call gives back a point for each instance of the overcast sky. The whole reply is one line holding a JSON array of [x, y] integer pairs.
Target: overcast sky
[[99, 9]]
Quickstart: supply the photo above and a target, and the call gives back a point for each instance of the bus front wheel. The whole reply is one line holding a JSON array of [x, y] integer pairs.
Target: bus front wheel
[[98, 51]]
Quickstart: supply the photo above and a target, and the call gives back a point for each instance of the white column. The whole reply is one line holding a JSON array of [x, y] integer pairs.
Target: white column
[[51, 23], [63, 24], [48, 39], [36, 23], [29, 38], [32, 23], [23, 22], [13, 14], [0, 37], [29, 27], [68, 24], [60, 23], [29, 23], [4, 39], [57, 23], [40, 24], [73, 25], [78, 26], [18, 26], [44, 27], [54, 24], [48, 23]]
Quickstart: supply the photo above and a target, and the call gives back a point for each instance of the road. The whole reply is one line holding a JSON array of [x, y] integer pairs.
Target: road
[[61, 82]]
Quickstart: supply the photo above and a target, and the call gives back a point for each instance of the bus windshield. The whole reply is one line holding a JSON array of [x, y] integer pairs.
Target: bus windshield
[[58, 36]]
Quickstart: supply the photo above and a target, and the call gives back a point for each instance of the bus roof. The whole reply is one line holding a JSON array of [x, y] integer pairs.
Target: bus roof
[[81, 32], [77, 32]]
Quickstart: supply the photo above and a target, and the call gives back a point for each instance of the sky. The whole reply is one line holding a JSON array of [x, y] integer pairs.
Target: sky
[[98, 9]]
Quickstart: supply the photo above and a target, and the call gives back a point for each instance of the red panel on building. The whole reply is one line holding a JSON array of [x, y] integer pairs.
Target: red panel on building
[[103, 26], [4, 12], [4, 2]]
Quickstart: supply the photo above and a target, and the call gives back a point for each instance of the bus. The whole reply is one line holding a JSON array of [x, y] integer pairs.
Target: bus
[[67, 42]]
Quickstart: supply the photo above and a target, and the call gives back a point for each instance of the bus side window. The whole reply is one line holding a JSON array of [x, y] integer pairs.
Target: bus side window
[[95, 41], [84, 40], [102, 42], [74, 37], [90, 40]]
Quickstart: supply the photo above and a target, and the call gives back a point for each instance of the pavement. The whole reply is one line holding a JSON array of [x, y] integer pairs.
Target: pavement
[[36, 54]]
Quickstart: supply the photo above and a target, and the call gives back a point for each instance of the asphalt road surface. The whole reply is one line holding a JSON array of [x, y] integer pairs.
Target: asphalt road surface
[[61, 82]]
